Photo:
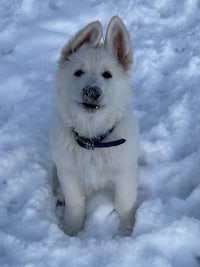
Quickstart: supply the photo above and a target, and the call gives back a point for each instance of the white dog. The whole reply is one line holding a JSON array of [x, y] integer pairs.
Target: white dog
[[94, 138]]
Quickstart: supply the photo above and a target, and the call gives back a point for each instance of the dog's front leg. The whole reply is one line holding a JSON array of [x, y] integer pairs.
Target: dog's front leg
[[125, 200], [74, 205]]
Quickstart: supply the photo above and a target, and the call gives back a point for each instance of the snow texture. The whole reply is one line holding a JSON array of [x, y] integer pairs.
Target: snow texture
[[166, 81]]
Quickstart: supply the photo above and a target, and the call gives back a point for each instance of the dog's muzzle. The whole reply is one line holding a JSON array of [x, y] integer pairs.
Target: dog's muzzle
[[91, 96]]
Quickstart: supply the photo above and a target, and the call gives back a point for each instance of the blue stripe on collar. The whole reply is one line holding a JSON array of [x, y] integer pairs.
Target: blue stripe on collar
[[96, 142]]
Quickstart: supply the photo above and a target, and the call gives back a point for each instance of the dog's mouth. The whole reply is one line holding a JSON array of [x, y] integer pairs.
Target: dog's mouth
[[91, 106]]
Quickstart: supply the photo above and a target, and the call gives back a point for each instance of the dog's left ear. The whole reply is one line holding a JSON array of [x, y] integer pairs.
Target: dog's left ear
[[118, 40]]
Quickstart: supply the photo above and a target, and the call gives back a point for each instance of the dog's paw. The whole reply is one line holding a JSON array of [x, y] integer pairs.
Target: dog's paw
[[70, 230], [126, 231]]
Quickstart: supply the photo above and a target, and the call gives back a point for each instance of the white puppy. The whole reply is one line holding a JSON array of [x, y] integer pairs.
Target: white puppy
[[94, 138]]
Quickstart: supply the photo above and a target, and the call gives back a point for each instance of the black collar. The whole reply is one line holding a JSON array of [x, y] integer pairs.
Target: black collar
[[92, 143]]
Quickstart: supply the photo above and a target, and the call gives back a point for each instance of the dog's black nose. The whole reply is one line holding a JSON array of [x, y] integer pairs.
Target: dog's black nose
[[91, 94]]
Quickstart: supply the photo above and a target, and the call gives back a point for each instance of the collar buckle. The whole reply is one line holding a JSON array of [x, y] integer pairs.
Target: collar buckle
[[87, 143]]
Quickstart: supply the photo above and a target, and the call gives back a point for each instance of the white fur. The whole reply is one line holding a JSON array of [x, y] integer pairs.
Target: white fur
[[82, 172]]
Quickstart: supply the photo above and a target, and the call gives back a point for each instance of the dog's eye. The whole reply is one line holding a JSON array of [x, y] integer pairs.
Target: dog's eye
[[107, 75], [78, 73]]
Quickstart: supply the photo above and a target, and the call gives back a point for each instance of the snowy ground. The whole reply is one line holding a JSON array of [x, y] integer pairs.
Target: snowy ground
[[166, 80]]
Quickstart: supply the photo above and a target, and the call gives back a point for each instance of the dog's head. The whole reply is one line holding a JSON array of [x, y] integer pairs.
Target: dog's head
[[92, 86]]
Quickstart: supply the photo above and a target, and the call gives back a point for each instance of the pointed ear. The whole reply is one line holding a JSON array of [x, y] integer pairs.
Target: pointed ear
[[118, 41], [91, 35]]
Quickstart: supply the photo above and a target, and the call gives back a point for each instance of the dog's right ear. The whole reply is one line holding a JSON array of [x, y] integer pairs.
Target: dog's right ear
[[90, 35]]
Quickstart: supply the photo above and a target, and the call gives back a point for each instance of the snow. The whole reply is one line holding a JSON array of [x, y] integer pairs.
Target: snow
[[166, 81]]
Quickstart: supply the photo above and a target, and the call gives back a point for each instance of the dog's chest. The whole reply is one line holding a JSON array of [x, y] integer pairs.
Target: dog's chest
[[95, 168]]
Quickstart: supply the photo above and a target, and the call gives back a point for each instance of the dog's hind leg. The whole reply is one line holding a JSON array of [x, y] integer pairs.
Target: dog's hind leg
[[56, 189], [55, 182]]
